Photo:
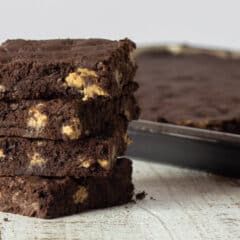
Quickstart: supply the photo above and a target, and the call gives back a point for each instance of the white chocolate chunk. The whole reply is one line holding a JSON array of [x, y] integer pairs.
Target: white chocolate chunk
[[81, 195], [37, 120]]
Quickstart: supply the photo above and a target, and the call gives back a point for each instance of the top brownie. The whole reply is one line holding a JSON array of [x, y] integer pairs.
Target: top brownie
[[79, 68], [191, 87]]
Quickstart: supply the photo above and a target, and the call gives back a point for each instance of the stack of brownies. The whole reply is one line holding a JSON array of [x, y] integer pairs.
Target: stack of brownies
[[64, 112]]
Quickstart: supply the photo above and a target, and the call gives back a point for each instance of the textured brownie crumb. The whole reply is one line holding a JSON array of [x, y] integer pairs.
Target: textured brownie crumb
[[6, 220], [152, 198], [141, 195]]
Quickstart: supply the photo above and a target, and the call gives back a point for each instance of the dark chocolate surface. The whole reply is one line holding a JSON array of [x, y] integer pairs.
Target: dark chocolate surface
[[40, 69], [54, 197], [199, 90]]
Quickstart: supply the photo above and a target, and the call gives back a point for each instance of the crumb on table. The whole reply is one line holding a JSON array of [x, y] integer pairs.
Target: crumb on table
[[141, 195]]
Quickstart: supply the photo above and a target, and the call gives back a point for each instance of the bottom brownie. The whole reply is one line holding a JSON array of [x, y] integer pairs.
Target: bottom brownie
[[54, 197]]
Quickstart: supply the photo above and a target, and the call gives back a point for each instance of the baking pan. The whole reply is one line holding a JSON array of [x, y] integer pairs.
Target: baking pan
[[212, 151]]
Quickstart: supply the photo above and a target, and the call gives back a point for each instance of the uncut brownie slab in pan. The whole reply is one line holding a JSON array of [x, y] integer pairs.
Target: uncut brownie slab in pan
[[190, 86]]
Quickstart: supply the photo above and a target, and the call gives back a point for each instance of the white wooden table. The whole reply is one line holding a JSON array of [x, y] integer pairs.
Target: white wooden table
[[188, 205]]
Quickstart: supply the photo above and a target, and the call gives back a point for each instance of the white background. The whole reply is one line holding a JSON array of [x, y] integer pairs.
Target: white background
[[202, 22]]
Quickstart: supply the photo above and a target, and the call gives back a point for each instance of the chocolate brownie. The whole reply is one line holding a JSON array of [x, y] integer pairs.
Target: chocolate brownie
[[79, 68], [65, 119], [191, 87], [87, 157], [54, 197]]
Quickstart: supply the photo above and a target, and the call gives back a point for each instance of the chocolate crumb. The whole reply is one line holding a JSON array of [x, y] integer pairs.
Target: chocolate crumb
[[141, 195], [152, 198], [5, 219]]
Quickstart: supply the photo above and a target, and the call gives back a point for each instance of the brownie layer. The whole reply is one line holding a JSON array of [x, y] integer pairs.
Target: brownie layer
[[191, 87], [65, 119], [88, 157], [81, 68], [54, 197]]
